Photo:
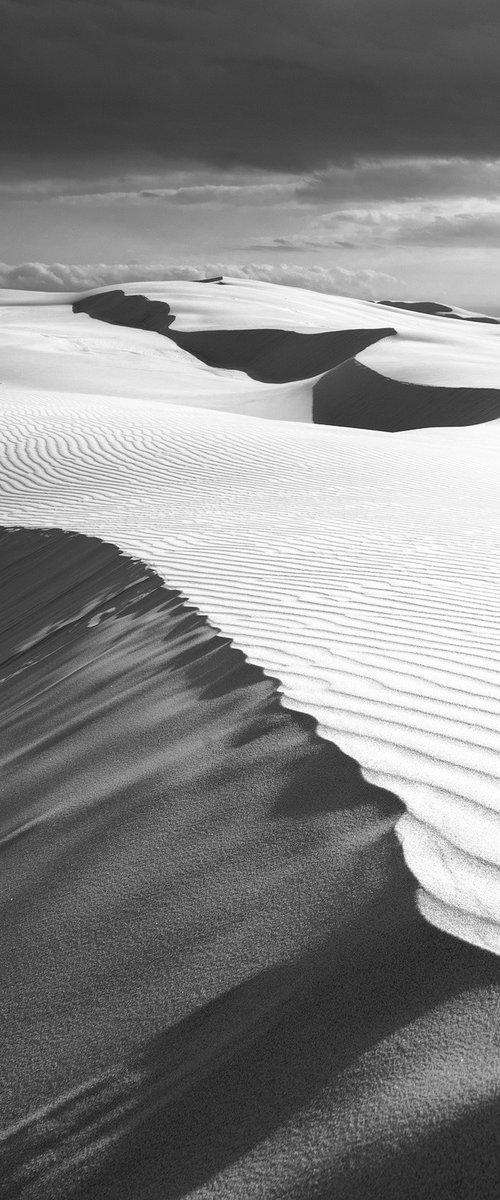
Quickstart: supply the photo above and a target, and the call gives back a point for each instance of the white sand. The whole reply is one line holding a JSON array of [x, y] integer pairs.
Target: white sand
[[359, 568]]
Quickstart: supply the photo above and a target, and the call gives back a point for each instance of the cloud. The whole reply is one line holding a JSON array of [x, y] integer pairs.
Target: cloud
[[459, 221], [401, 179], [208, 194], [365, 181], [62, 277], [281, 84]]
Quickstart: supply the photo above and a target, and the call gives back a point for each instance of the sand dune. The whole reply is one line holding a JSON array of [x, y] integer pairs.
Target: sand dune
[[358, 571], [276, 355], [436, 367], [47, 348], [440, 310], [375, 624], [269, 355], [80, 356], [206, 913], [355, 395]]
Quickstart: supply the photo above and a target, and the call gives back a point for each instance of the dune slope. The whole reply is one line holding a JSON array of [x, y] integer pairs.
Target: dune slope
[[316, 550], [358, 571], [269, 355], [210, 947], [353, 394], [411, 399], [440, 310]]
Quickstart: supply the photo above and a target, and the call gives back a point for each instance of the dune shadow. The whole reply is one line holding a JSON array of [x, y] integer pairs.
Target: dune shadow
[[136, 312], [267, 355], [357, 397], [276, 355]]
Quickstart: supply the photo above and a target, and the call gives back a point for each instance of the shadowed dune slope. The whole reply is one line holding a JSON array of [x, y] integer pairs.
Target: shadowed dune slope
[[135, 311], [277, 355], [355, 396], [268, 355], [210, 953]]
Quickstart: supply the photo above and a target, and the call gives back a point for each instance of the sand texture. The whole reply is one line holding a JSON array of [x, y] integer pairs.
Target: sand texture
[[205, 913], [219, 847]]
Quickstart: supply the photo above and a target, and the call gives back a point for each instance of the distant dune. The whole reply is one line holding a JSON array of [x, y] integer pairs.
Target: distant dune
[[348, 393], [269, 355], [250, 702], [440, 310]]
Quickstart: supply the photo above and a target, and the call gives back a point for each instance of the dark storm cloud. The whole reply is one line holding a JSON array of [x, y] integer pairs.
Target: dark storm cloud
[[272, 83]]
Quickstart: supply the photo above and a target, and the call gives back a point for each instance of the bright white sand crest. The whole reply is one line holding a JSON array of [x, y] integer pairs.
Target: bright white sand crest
[[359, 568]]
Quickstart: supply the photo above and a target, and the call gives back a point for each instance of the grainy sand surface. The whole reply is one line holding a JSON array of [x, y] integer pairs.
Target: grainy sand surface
[[211, 957]]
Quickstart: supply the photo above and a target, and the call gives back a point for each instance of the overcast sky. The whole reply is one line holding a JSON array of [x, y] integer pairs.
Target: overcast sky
[[353, 144]]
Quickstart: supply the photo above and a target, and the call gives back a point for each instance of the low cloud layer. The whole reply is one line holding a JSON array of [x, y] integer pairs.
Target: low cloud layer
[[367, 181], [60, 277], [465, 221], [208, 194], [288, 84]]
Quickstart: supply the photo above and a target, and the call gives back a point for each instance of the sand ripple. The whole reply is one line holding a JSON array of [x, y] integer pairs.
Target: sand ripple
[[359, 569]]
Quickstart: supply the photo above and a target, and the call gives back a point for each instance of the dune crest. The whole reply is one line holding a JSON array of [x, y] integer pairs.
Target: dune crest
[[341, 394], [328, 571], [314, 548], [202, 900]]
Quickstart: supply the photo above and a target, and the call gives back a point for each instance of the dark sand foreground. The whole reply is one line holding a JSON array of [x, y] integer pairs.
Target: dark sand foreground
[[214, 979]]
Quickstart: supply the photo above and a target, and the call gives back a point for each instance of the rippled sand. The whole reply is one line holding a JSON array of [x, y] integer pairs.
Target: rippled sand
[[211, 922]]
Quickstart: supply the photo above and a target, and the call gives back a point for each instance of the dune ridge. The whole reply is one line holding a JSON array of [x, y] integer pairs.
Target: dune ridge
[[213, 956], [268, 355], [48, 347], [382, 629], [440, 310], [346, 396]]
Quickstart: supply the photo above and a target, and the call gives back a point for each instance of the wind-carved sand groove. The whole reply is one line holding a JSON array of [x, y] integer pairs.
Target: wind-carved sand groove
[[358, 568]]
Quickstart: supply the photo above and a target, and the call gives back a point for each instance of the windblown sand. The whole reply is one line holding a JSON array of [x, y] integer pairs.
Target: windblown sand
[[359, 569]]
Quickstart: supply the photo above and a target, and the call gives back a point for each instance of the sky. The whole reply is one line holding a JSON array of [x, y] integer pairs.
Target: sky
[[345, 145]]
